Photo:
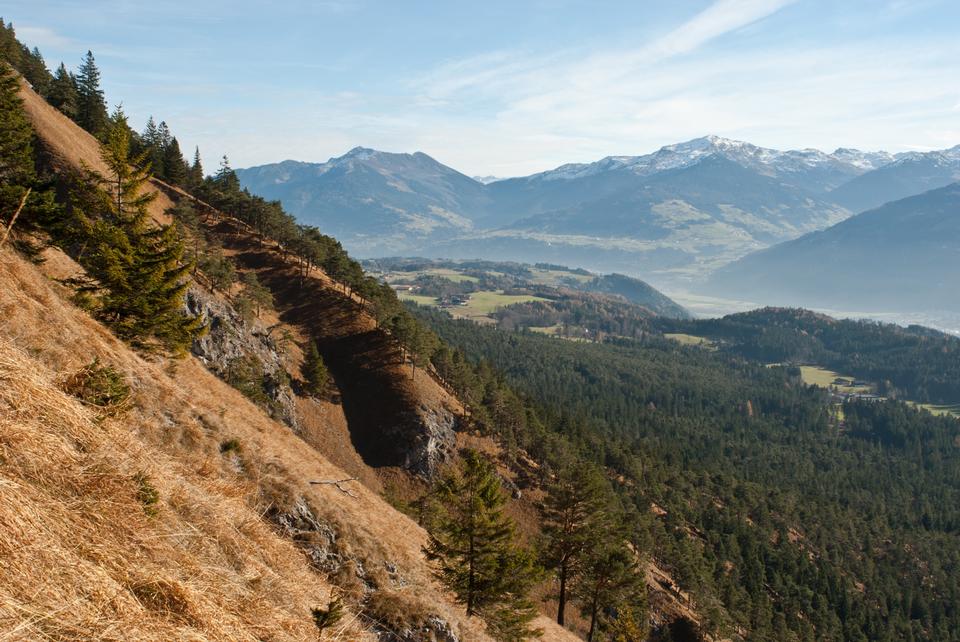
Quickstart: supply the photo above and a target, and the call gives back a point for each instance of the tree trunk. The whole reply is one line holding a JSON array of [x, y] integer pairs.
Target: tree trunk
[[562, 599], [593, 619]]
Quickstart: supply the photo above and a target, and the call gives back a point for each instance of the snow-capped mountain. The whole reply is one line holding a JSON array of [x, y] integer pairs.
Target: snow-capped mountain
[[831, 169], [680, 211]]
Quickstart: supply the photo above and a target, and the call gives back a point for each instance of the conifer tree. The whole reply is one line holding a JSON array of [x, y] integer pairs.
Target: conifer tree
[[611, 577], [62, 92], [195, 175], [226, 179], [16, 149], [140, 264], [91, 106], [258, 296], [315, 373], [573, 513], [472, 542], [174, 167]]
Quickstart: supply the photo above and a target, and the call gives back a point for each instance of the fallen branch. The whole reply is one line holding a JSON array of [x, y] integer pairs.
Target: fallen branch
[[23, 201], [337, 482]]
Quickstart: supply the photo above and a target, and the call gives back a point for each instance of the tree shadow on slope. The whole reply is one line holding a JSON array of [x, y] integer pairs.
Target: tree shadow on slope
[[363, 361]]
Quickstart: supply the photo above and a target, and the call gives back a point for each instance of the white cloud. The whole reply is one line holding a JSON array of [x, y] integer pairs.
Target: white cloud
[[41, 37]]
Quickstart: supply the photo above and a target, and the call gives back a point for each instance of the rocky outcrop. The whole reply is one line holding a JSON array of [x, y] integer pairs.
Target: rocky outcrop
[[231, 341], [425, 439]]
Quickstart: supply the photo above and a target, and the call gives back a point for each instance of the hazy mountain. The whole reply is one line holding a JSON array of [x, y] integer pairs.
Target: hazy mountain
[[902, 256], [674, 214], [638, 292], [909, 174], [377, 202]]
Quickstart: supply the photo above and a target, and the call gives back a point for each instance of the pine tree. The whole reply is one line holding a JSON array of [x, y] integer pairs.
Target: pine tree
[[258, 296], [174, 167], [226, 179], [611, 577], [573, 516], [140, 264], [16, 149], [315, 373], [62, 93], [472, 543], [195, 175], [91, 106]]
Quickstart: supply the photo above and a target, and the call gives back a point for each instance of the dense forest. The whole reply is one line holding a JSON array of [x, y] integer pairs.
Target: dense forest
[[914, 362], [779, 520]]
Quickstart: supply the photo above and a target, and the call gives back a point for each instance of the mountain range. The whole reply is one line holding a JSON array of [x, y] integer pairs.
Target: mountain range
[[903, 256], [672, 216]]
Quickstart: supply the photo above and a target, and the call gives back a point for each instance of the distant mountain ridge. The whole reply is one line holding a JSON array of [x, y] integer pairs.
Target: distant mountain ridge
[[673, 215], [902, 256]]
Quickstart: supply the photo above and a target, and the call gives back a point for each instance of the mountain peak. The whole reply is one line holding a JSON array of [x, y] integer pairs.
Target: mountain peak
[[358, 153]]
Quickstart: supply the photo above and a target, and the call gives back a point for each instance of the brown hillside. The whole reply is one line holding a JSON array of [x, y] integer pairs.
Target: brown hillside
[[241, 545]]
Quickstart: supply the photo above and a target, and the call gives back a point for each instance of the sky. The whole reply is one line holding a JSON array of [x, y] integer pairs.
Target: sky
[[508, 88]]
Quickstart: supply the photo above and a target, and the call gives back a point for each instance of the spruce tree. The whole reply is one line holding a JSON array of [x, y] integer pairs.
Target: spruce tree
[[62, 93], [195, 175], [473, 543], [315, 373], [139, 263], [174, 167], [91, 106], [16, 149], [573, 513]]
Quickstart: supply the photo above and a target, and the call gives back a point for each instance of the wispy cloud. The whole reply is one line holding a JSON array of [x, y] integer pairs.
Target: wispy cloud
[[42, 37]]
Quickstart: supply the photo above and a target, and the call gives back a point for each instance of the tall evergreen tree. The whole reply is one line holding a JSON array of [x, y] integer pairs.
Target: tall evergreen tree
[[174, 167], [91, 106], [573, 513], [62, 92], [16, 149], [611, 578], [225, 178], [195, 175], [17, 174], [140, 264], [315, 373], [473, 544]]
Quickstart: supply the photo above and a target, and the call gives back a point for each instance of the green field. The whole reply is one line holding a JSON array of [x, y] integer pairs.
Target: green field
[[817, 376], [556, 278], [419, 299], [952, 410], [409, 277], [691, 340], [478, 308], [483, 303]]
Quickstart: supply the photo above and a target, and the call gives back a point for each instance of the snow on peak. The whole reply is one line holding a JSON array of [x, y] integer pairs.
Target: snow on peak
[[765, 160]]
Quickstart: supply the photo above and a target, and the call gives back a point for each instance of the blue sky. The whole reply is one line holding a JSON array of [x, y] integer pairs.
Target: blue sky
[[510, 88]]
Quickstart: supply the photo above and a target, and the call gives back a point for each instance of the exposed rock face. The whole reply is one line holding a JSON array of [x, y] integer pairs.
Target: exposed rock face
[[318, 539], [424, 439], [231, 339]]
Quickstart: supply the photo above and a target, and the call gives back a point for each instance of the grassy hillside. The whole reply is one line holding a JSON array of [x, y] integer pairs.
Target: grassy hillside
[[234, 541]]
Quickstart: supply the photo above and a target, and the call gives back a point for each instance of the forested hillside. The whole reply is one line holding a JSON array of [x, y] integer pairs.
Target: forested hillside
[[914, 363], [781, 519]]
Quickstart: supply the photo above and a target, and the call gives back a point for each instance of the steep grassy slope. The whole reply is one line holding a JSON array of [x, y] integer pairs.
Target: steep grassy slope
[[241, 545]]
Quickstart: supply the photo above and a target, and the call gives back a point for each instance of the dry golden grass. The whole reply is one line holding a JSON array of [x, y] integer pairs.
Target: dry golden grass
[[83, 557]]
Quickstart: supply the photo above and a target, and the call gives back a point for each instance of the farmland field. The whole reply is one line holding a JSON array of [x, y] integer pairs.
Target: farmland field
[[691, 340], [817, 376]]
